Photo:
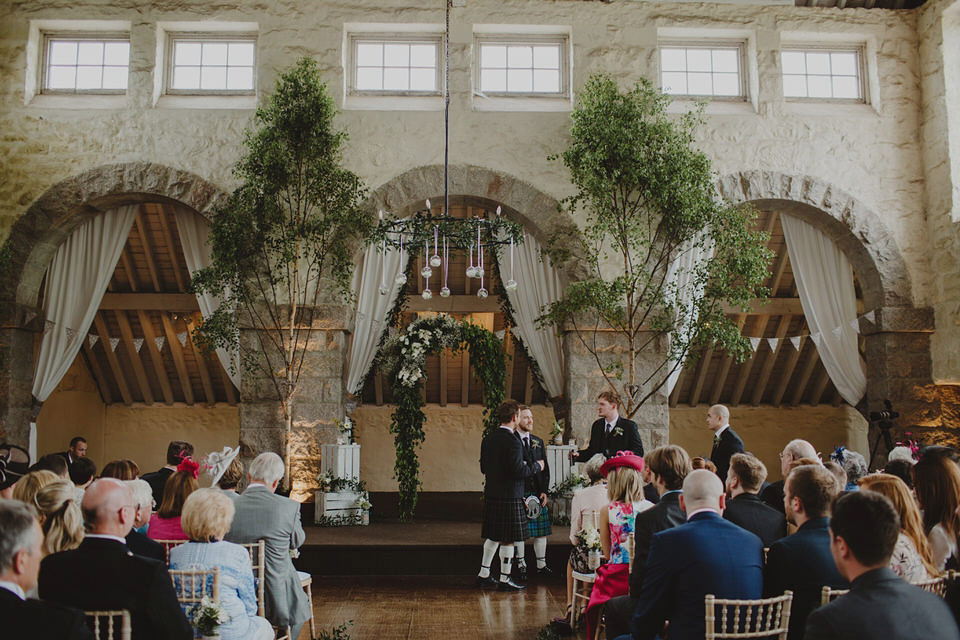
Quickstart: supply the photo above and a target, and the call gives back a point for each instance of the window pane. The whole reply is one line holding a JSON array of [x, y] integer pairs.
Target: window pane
[[795, 86], [819, 87], [186, 78], [62, 78], [86, 65], [546, 57], [493, 80], [116, 53], [214, 53], [673, 60], [89, 77], [90, 53], [699, 84], [698, 60], [396, 78], [213, 78], [369, 55], [240, 78], [793, 62], [187, 53], [114, 77], [519, 80], [846, 87], [396, 55], [726, 60], [240, 54], [520, 56], [726, 84], [369, 79], [818, 63], [844, 63], [63, 53], [493, 56], [546, 81], [423, 80], [423, 55], [675, 83]]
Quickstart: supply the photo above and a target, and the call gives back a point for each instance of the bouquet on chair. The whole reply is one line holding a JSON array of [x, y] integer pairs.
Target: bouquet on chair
[[588, 550], [207, 616]]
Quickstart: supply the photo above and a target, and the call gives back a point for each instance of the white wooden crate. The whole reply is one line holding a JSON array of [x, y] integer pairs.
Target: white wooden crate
[[558, 457], [340, 460], [340, 503]]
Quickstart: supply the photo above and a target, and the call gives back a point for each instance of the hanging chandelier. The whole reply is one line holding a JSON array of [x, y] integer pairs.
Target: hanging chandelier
[[476, 236]]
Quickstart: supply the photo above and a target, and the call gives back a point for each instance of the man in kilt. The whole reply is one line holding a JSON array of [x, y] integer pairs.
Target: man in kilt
[[504, 517], [535, 486]]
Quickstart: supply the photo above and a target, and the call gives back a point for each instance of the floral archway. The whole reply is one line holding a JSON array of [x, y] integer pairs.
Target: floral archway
[[402, 360]]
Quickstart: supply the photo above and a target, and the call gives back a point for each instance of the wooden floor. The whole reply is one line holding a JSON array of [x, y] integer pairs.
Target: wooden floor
[[418, 607]]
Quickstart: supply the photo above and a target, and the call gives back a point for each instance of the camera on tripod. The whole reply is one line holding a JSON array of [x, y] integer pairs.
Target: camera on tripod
[[884, 420]]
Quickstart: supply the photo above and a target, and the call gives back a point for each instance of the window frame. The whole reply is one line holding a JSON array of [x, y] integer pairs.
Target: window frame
[[354, 38], [204, 37], [739, 45], [48, 37], [828, 47], [562, 40]]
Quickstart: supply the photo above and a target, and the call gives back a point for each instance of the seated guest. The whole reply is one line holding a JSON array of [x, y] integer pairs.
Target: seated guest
[[102, 573], [705, 555], [121, 470], [703, 463], [261, 513], [76, 451], [177, 450], [880, 606], [53, 462], [841, 476], [207, 515], [20, 553], [138, 542], [60, 517], [668, 466], [82, 472], [853, 463], [226, 470], [625, 500], [27, 487], [165, 523], [902, 469], [912, 557], [802, 562], [772, 494], [744, 507], [936, 480]]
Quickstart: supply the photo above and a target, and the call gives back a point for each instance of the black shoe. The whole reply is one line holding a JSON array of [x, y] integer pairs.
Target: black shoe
[[510, 585], [486, 583], [520, 573], [545, 572]]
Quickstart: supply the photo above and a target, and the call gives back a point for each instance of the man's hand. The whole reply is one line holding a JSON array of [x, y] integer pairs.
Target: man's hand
[[541, 463], [574, 455], [543, 499]]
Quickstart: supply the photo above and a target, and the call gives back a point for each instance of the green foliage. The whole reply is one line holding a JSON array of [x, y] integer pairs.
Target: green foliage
[[336, 633], [344, 520], [546, 632], [286, 237], [402, 360], [648, 200]]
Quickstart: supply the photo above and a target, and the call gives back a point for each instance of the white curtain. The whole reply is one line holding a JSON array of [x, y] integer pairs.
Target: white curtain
[[194, 231], [680, 274], [825, 283], [378, 270], [538, 285]]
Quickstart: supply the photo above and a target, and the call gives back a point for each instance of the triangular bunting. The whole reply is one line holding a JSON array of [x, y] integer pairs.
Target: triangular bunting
[[837, 331], [159, 340], [871, 316], [48, 325], [138, 344], [795, 341], [816, 337], [28, 316], [754, 342], [855, 325], [70, 333], [773, 342], [92, 340], [182, 337], [113, 343]]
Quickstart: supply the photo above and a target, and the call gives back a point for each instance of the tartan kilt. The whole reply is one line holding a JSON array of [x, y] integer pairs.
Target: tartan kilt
[[539, 526], [504, 520]]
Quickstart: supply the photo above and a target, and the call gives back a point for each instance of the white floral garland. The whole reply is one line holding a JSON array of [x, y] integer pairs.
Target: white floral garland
[[421, 337]]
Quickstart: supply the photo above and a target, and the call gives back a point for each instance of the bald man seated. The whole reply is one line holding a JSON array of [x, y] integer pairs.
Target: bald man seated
[[102, 573], [706, 555]]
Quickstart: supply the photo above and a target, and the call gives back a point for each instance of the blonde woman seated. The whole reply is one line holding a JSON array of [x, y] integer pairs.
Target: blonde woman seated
[[207, 515], [165, 523], [625, 492], [60, 517], [912, 557], [27, 487]]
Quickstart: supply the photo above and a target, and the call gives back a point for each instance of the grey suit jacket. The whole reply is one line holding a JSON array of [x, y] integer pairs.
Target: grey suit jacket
[[262, 514]]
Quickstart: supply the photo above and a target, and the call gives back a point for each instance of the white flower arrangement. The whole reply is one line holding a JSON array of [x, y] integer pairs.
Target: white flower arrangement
[[207, 616], [364, 502], [325, 481], [422, 336], [589, 539]]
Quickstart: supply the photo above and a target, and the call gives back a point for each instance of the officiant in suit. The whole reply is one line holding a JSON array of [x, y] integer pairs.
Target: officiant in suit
[[725, 440], [610, 433]]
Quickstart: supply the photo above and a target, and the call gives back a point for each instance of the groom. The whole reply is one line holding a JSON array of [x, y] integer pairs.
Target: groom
[[610, 433]]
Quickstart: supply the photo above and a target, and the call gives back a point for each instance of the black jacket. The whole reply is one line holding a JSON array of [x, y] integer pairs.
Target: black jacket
[[28, 619], [501, 461], [729, 444], [157, 481], [144, 546], [750, 513], [628, 439], [104, 574], [666, 514], [772, 496], [539, 482]]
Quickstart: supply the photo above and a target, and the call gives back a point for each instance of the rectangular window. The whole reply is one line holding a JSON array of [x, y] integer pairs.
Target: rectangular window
[[823, 74], [401, 65], [211, 65], [702, 70], [86, 64], [522, 67]]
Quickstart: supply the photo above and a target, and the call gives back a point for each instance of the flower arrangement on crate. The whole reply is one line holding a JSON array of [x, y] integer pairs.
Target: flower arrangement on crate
[[588, 541], [556, 433], [345, 430], [333, 484], [207, 616], [561, 493], [330, 483]]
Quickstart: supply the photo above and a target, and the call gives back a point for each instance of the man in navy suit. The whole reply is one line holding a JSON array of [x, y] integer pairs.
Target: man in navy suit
[[725, 440], [705, 555], [880, 605], [744, 508], [802, 562], [610, 433]]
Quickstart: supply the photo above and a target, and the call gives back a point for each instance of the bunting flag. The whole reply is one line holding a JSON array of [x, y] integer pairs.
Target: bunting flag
[[773, 342], [70, 333], [871, 317], [48, 325], [182, 337], [837, 331], [816, 338], [754, 342], [28, 316], [855, 325], [795, 340], [500, 334], [92, 340], [159, 340], [113, 343], [138, 344]]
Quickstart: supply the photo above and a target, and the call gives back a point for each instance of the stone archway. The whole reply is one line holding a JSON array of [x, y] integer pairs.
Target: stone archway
[[898, 347], [34, 240]]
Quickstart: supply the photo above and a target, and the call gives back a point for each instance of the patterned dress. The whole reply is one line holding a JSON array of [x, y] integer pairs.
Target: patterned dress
[[621, 516], [906, 561]]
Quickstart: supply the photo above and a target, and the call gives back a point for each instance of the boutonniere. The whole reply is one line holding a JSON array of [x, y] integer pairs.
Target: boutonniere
[[618, 431], [534, 444]]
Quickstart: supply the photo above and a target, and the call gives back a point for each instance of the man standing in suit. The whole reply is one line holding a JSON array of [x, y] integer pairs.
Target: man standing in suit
[[534, 486], [261, 513], [177, 450], [880, 605], [610, 433], [705, 555], [504, 518], [77, 450], [802, 562], [797, 449], [20, 553], [725, 440], [669, 466], [744, 508], [102, 573]]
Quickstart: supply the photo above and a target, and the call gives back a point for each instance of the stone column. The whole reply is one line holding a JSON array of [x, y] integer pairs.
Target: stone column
[[317, 405], [16, 383]]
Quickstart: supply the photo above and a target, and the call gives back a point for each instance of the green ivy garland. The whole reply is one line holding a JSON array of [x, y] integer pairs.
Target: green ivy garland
[[402, 360]]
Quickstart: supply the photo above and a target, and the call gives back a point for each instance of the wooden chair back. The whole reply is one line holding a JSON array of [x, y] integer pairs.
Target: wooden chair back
[[588, 519], [764, 618], [191, 585], [167, 545], [631, 544], [110, 625], [827, 594], [256, 551], [938, 585]]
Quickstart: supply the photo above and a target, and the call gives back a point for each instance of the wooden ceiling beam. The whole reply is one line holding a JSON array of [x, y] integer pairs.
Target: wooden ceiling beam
[[167, 302], [156, 357], [769, 362], [118, 374], [674, 399], [464, 378], [140, 374], [453, 304], [744, 372], [819, 386], [97, 373], [147, 249], [444, 364], [178, 361], [702, 367], [228, 387], [813, 357], [788, 370], [128, 267], [378, 388], [201, 363], [528, 387], [721, 380], [162, 213]]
